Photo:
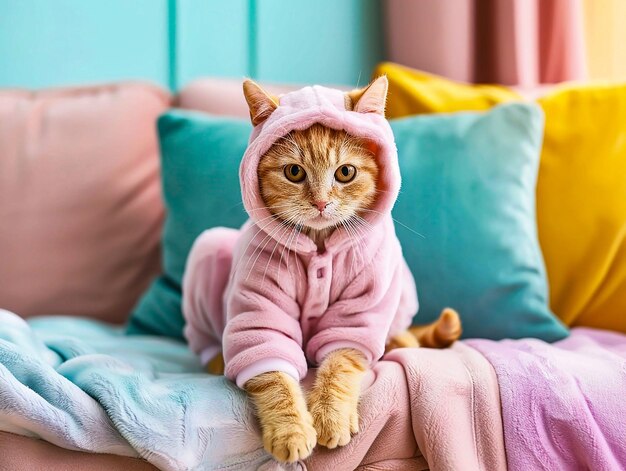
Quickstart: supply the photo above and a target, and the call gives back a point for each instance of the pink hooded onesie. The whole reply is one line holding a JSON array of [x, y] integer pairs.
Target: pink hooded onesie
[[267, 297]]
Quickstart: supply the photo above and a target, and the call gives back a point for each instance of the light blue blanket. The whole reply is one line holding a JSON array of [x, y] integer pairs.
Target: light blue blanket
[[86, 386]]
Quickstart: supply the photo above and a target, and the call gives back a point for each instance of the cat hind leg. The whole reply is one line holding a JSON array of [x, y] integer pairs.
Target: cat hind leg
[[216, 365]]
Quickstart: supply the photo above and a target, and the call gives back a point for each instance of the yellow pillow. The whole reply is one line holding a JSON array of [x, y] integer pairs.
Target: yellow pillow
[[581, 204], [415, 92], [581, 190]]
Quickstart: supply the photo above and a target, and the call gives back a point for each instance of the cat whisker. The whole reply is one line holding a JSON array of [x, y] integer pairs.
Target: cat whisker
[[362, 222], [295, 234], [296, 226], [261, 229], [288, 218], [234, 206], [362, 225], [269, 260], [282, 253], [258, 209], [358, 235], [269, 238], [352, 258], [252, 239], [346, 224], [398, 222], [257, 224], [268, 217], [271, 207], [299, 231], [357, 248]]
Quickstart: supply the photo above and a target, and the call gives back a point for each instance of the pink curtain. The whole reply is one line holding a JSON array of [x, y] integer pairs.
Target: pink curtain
[[523, 43]]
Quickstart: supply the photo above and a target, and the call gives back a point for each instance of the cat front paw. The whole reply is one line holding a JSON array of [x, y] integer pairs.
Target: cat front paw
[[291, 441], [335, 421]]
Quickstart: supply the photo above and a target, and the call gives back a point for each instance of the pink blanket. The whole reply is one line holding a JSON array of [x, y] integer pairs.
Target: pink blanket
[[563, 405], [425, 409]]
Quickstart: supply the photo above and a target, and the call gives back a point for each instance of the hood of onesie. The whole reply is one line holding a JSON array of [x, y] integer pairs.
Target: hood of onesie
[[299, 110]]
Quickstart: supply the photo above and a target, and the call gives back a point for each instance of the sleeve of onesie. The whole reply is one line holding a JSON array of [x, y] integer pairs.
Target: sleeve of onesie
[[263, 331]]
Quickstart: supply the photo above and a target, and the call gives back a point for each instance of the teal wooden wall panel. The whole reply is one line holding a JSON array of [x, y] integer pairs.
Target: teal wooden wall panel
[[48, 43], [212, 39], [63, 42], [322, 41]]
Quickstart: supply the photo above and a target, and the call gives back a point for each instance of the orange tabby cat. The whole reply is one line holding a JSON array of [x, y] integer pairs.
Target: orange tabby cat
[[293, 176]]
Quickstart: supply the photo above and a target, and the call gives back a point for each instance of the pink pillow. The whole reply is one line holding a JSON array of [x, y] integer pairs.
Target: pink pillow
[[80, 199], [222, 96]]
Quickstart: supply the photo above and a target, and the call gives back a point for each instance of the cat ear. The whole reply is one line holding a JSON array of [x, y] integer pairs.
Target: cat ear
[[260, 103], [370, 99]]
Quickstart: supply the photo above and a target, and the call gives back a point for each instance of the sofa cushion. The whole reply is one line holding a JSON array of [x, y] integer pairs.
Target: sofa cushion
[[20, 453], [581, 188], [468, 188], [224, 97], [581, 203], [415, 92], [80, 199]]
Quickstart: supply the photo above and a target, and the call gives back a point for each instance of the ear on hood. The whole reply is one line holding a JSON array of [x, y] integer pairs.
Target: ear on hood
[[371, 99], [260, 103]]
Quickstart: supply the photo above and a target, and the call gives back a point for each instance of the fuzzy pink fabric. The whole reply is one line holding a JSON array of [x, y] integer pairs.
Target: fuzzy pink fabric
[[420, 409], [424, 409], [562, 403], [80, 199], [221, 96], [21, 453], [276, 300]]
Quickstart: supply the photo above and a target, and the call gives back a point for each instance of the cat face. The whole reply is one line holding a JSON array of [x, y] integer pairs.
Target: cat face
[[318, 178]]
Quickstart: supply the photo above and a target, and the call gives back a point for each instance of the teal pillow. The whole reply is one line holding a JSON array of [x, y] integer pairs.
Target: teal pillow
[[465, 215], [200, 157], [468, 187]]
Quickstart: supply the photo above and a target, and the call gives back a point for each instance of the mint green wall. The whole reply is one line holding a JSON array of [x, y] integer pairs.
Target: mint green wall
[[60, 42], [56, 42], [318, 41], [212, 38]]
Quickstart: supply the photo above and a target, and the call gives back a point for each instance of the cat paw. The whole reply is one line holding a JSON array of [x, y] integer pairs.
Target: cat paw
[[335, 422], [290, 442]]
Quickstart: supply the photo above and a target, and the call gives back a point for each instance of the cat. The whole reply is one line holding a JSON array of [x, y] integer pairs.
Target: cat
[[320, 185]]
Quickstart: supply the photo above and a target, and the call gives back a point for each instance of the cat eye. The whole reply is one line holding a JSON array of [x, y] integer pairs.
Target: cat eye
[[345, 173], [294, 173]]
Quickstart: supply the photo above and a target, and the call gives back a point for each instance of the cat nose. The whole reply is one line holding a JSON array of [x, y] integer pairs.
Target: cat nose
[[320, 205]]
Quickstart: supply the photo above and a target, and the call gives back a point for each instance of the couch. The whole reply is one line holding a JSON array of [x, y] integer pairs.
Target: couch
[[99, 183]]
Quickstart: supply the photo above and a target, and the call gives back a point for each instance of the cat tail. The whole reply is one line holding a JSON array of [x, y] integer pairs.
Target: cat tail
[[441, 333]]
